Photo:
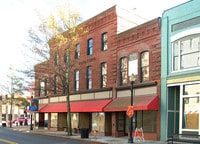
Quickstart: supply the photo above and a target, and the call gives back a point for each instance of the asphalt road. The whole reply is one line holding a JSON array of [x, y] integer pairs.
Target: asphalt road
[[15, 137]]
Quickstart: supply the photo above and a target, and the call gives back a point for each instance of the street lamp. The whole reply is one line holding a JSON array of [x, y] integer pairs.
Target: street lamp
[[132, 79], [11, 103], [31, 126]]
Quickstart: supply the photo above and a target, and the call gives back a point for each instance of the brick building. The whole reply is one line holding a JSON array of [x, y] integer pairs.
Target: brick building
[[143, 42], [100, 87]]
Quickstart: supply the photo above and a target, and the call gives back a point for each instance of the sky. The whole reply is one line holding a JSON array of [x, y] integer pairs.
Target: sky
[[17, 16]]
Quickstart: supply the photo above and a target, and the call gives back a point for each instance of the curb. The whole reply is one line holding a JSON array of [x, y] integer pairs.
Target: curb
[[57, 135]]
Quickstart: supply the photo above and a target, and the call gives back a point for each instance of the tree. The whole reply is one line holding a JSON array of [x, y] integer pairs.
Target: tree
[[14, 88], [61, 31]]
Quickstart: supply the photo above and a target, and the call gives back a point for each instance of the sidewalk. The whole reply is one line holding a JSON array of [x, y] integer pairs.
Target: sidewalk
[[95, 139]]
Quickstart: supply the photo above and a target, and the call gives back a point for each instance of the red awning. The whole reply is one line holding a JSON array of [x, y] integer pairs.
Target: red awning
[[139, 103], [80, 106]]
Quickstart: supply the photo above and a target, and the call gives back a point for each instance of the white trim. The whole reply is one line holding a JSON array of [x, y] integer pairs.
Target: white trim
[[181, 110], [181, 130], [185, 33], [176, 37]]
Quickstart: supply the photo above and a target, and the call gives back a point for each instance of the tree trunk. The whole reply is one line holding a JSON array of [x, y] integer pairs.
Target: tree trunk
[[69, 128]]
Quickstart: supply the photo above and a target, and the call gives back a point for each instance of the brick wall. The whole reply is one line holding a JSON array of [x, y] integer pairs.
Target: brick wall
[[145, 37]]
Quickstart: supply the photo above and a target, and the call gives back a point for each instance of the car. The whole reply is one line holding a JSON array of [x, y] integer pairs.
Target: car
[[21, 121], [3, 124], [45, 123]]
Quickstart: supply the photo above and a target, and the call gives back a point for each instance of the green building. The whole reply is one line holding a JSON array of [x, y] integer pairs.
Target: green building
[[180, 70]]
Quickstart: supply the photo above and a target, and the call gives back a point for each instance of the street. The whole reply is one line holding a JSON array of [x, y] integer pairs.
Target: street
[[15, 137]]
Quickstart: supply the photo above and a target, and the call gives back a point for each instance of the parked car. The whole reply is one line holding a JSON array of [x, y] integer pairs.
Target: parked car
[[45, 123], [21, 121], [3, 124]]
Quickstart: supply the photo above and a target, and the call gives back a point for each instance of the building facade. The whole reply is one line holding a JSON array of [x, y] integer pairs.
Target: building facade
[[180, 61], [100, 87], [138, 51]]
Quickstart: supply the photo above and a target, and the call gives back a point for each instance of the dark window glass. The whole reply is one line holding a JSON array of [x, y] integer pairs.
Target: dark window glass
[[146, 120], [90, 46], [56, 60]]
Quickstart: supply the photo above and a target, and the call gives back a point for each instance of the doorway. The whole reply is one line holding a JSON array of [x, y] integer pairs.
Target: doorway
[[173, 110]]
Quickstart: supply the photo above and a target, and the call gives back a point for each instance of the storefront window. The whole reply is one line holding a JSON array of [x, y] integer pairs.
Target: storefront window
[[191, 89], [120, 121], [190, 113], [75, 118], [98, 122], [146, 120], [54, 118]]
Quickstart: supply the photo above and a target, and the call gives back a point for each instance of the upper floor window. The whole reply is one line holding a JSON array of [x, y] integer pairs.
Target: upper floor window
[[123, 71], [104, 41], [186, 52], [144, 66], [76, 78], [77, 52], [43, 87], [89, 77], [55, 84], [66, 57], [103, 74], [90, 46], [56, 60]]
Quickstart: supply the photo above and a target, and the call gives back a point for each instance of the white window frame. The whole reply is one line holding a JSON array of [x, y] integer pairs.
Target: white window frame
[[181, 130], [179, 36]]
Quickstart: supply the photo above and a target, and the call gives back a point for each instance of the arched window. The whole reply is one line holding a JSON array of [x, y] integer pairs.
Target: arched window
[[144, 66]]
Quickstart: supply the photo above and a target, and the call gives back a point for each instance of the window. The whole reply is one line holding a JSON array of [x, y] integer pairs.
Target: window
[[54, 120], [43, 89], [75, 121], [66, 57], [55, 84], [190, 113], [76, 83], [90, 46], [123, 71], [103, 75], [186, 52], [89, 77], [191, 89], [77, 52], [146, 120], [56, 60], [189, 107], [144, 66], [120, 121], [98, 122], [104, 41]]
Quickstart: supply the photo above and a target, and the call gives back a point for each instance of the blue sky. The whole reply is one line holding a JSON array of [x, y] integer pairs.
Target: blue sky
[[17, 16]]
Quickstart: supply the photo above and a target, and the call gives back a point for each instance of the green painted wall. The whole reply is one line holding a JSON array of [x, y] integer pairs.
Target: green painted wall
[[172, 16]]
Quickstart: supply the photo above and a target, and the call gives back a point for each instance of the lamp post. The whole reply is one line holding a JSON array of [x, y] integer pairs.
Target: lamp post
[[11, 103], [31, 126], [132, 79]]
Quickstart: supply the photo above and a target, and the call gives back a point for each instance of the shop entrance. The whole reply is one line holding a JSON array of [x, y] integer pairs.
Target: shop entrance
[[173, 110]]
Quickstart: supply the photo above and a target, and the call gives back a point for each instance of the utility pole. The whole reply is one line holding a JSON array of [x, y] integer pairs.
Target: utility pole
[[11, 102]]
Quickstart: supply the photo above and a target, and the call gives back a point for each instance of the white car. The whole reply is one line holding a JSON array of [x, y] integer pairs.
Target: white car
[[3, 124]]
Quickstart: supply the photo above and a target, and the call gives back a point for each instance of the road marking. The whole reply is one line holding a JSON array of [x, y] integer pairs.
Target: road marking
[[7, 141]]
